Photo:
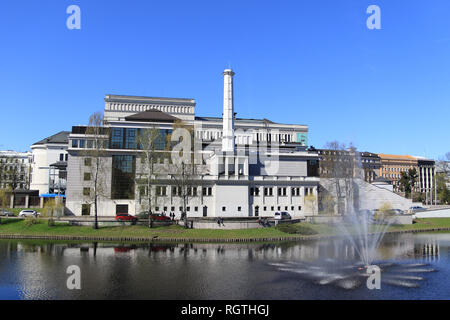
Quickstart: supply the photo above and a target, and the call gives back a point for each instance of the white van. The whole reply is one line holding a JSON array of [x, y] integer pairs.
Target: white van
[[282, 216]]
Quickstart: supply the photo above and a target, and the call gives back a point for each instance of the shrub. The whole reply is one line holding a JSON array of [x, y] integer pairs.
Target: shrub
[[29, 221], [51, 222], [296, 229], [142, 215]]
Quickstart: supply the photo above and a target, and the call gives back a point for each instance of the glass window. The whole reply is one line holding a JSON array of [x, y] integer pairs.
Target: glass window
[[75, 143], [123, 171], [82, 143]]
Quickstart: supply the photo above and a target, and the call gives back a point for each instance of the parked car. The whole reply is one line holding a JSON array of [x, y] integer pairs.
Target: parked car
[[6, 213], [282, 216], [415, 209], [160, 217], [125, 217], [29, 213], [395, 211]]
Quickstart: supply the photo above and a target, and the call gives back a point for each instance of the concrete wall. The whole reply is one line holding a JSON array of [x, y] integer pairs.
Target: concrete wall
[[443, 213]]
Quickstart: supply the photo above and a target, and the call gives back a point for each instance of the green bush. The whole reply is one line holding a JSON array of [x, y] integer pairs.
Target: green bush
[[51, 222], [142, 215], [296, 229], [29, 221]]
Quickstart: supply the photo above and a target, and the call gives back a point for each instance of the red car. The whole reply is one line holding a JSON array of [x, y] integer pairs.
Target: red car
[[159, 217], [126, 217]]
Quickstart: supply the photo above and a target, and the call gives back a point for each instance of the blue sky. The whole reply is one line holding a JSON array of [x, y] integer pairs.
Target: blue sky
[[307, 62]]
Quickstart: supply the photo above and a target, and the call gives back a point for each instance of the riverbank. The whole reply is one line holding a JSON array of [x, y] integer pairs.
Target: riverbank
[[17, 229]]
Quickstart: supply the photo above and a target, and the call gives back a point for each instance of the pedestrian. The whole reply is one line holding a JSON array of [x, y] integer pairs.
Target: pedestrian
[[218, 221]]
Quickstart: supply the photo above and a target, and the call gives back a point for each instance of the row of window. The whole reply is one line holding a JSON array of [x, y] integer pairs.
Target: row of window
[[282, 191], [86, 209]]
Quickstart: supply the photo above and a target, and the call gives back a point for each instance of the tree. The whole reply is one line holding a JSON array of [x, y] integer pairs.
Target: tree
[[339, 165], [51, 207], [311, 202], [148, 141], [95, 165], [408, 181], [186, 164]]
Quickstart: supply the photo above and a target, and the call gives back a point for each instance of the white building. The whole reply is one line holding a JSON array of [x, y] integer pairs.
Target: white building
[[15, 169], [49, 162], [251, 167]]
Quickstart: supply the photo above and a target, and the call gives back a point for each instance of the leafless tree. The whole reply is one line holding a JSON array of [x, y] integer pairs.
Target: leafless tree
[[186, 164], [150, 167], [340, 166], [95, 166]]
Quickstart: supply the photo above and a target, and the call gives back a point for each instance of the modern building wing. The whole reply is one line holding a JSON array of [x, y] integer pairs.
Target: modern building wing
[[248, 167]]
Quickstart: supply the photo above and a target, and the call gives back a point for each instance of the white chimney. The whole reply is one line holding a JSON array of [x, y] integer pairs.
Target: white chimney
[[228, 112]]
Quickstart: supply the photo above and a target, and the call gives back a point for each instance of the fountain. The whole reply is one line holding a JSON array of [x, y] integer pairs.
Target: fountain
[[364, 231]]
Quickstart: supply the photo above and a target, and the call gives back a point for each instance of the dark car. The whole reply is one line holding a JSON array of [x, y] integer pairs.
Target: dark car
[[160, 217], [126, 217], [6, 213]]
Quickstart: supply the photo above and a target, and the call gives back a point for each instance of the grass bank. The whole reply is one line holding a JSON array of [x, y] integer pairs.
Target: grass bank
[[18, 227]]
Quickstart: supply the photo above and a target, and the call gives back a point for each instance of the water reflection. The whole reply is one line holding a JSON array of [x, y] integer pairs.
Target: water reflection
[[37, 270]]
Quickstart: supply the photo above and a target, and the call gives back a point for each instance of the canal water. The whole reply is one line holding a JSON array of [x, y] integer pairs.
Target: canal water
[[419, 264]]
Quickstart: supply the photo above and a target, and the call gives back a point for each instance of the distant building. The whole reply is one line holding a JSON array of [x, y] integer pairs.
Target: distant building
[[15, 169], [426, 172], [392, 167], [49, 164], [366, 164]]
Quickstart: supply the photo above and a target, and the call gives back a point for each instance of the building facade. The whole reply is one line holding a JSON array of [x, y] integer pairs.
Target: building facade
[[15, 170], [247, 167], [392, 167], [49, 164]]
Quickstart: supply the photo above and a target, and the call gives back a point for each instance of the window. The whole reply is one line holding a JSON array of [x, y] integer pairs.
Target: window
[[195, 209], [82, 143], [239, 208], [292, 208], [224, 208], [296, 191], [207, 191], [264, 208], [87, 176], [272, 208], [268, 191], [172, 208], [86, 191], [61, 157], [87, 162], [181, 208], [282, 191], [66, 157], [123, 173], [85, 209], [299, 208], [90, 144], [188, 209], [75, 143]]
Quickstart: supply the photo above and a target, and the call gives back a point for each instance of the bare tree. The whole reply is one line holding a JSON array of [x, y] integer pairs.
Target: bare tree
[[95, 162], [340, 166], [186, 164], [149, 142]]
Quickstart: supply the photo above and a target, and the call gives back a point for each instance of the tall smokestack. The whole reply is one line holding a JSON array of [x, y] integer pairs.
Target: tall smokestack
[[228, 112]]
